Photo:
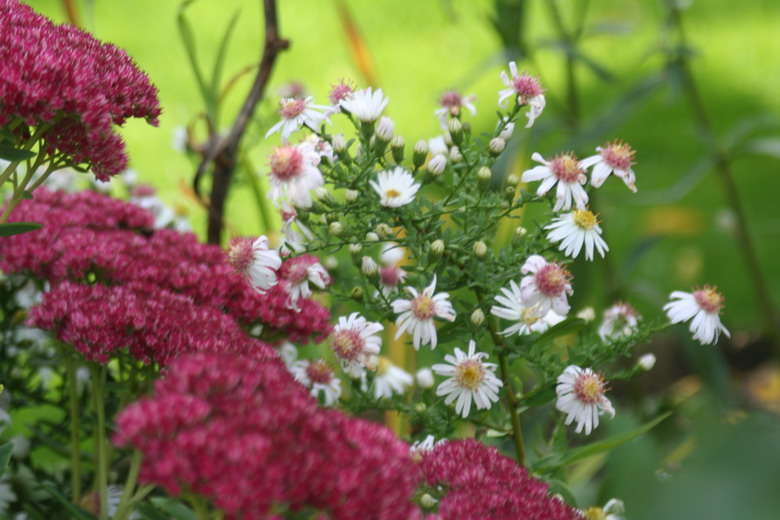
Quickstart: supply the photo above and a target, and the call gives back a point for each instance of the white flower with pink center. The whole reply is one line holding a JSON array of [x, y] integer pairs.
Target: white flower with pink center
[[703, 308], [527, 319], [390, 379], [395, 188], [366, 105], [451, 102], [581, 396], [416, 315], [340, 92], [616, 157], [299, 272], [354, 340], [565, 170], [294, 174], [620, 321], [526, 89], [575, 229], [297, 112], [470, 379], [318, 376], [546, 286], [254, 261], [390, 273]]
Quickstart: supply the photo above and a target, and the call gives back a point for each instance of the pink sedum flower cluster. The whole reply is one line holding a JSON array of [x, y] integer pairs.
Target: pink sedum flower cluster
[[62, 76], [241, 432], [483, 483]]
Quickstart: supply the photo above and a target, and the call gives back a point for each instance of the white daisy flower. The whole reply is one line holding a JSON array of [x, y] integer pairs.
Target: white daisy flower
[[297, 112], [616, 157], [294, 174], [528, 319], [419, 448], [424, 378], [300, 272], [546, 286], [620, 321], [567, 171], [703, 307], [395, 188], [581, 396], [574, 229], [287, 352], [354, 340], [416, 315], [469, 379], [390, 273], [451, 102], [319, 377], [390, 379], [612, 510], [527, 91], [437, 146], [366, 105], [253, 260]]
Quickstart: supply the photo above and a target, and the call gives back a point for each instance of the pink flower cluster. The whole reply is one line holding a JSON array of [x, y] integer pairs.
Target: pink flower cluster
[[62, 76], [483, 483], [241, 432], [87, 235]]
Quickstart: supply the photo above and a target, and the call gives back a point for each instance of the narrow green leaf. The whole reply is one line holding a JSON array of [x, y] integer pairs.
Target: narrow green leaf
[[16, 228], [174, 508], [75, 512], [540, 397], [5, 456], [216, 76], [26, 195], [149, 512], [558, 487], [565, 327], [188, 39], [11, 153]]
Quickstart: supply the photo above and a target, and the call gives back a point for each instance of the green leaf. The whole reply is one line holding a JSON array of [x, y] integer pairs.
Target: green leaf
[[13, 154], [149, 512], [220, 61], [188, 39], [26, 195], [769, 146], [75, 512], [558, 487], [17, 228], [5, 456], [540, 397], [565, 327], [174, 508]]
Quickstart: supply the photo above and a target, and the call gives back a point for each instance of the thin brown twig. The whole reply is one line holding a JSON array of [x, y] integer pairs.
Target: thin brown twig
[[222, 152]]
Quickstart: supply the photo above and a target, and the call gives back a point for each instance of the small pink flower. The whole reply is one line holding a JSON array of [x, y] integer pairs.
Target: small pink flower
[[527, 91], [297, 112], [616, 157], [546, 286], [565, 170]]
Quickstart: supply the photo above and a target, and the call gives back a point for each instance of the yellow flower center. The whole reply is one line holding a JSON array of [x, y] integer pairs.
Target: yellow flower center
[[589, 388], [529, 316], [423, 307], [392, 194], [584, 219], [383, 366], [470, 374], [709, 299], [595, 513]]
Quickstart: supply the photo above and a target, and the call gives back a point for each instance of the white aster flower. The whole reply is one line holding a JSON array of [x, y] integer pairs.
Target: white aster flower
[[568, 172], [391, 274], [528, 319], [297, 112], [319, 377], [419, 448], [253, 260], [703, 308], [612, 510], [424, 378], [527, 91], [354, 340], [451, 102], [366, 105], [546, 286], [287, 352], [581, 396], [616, 157], [437, 146], [390, 379], [574, 229], [395, 188], [620, 321], [470, 378], [646, 362], [294, 173], [294, 241], [299, 272], [416, 315]]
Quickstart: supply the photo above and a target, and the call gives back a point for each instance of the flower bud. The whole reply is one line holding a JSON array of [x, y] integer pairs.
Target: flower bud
[[455, 129], [466, 131], [588, 314], [455, 155], [383, 230], [356, 293], [384, 129], [437, 248], [497, 146], [447, 139], [646, 362], [509, 193], [397, 148], [351, 195], [322, 194], [339, 143], [513, 180], [424, 378], [355, 249], [477, 317], [335, 228], [506, 133], [330, 263], [484, 175], [420, 153], [369, 266], [480, 249], [372, 237], [427, 501], [436, 165]]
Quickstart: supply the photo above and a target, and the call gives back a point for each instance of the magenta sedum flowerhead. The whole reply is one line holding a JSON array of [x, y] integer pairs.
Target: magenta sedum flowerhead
[[62, 76]]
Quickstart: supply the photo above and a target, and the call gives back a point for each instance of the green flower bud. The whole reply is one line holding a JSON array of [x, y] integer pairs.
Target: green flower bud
[[335, 228], [420, 153], [477, 317], [480, 249], [497, 146]]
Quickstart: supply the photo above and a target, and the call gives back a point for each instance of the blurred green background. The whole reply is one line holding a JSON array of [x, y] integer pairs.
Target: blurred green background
[[677, 232]]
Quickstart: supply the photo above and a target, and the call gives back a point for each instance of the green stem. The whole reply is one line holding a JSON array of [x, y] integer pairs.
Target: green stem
[[125, 503], [75, 431], [27, 147], [726, 175], [98, 400]]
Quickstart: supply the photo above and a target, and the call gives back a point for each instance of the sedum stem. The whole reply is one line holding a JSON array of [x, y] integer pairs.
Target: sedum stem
[[75, 431]]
